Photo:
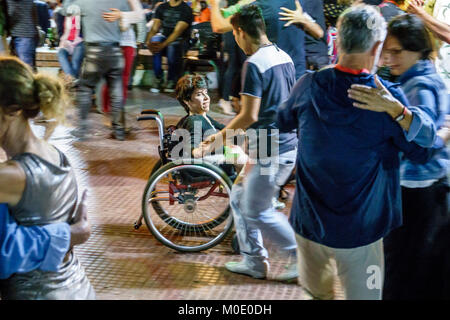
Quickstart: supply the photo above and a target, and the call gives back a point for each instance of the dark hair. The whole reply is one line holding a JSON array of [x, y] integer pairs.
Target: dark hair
[[186, 87], [412, 34], [21, 89], [250, 20]]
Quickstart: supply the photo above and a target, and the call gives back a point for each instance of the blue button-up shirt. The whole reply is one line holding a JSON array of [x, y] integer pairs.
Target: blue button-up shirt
[[23, 249]]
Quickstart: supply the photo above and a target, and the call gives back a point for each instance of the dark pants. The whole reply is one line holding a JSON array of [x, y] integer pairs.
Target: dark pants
[[174, 53], [417, 255], [102, 62], [236, 59]]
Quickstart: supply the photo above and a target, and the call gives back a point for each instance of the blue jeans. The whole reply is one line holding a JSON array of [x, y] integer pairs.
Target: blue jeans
[[73, 66], [174, 53], [253, 213], [25, 49]]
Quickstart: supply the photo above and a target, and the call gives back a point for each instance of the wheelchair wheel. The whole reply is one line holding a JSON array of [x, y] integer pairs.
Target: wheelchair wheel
[[186, 206]]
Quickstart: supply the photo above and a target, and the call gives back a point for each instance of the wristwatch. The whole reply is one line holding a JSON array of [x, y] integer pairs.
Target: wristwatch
[[401, 116]]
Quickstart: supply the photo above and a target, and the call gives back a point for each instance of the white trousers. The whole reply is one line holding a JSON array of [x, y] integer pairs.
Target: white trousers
[[360, 270]]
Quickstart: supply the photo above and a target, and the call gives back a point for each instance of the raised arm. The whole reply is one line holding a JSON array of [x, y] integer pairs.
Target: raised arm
[[439, 28], [302, 20], [219, 24]]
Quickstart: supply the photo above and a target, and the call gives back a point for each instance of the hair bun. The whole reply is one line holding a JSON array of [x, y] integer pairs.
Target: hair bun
[[49, 93]]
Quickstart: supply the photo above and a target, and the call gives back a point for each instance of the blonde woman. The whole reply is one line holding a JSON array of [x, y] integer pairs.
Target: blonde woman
[[37, 181]]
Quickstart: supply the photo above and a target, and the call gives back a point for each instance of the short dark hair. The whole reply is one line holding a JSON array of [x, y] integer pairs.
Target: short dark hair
[[250, 19], [186, 86], [412, 34]]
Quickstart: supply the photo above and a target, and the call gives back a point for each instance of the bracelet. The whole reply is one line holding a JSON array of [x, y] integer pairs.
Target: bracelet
[[401, 116]]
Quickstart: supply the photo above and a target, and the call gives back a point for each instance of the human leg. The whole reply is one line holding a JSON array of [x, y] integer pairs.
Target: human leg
[[129, 54], [416, 252], [91, 73], [77, 59], [157, 58], [256, 266], [25, 49], [115, 65], [64, 61], [315, 272], [106, 102], [174, 61], [361, 271], [262, 185]]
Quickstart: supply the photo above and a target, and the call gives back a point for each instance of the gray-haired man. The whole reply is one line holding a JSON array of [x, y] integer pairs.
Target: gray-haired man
[[347, 180]]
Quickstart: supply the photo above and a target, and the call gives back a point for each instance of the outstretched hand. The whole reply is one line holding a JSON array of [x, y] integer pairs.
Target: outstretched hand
[[206, 147], [293, 16]]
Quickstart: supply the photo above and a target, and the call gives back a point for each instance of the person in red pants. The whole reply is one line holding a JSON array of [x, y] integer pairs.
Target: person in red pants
[[128, 45]]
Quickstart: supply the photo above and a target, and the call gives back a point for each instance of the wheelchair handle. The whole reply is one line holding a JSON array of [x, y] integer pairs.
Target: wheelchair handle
[[160, 127], [154, 112]]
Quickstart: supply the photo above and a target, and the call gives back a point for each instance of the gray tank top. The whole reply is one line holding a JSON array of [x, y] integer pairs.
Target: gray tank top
[[50, 193], [50, 196]]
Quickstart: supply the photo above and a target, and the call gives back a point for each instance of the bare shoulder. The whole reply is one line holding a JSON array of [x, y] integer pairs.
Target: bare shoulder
[[12, 182]]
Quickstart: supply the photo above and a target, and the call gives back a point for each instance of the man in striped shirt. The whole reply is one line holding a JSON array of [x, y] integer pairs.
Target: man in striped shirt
[[22, 22]]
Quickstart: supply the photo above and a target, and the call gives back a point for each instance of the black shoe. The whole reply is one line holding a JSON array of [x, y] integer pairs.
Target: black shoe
[[118, 135], [79, 134]]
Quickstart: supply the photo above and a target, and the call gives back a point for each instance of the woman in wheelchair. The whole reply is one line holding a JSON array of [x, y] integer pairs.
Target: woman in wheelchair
[[192, 93], [186, 204]]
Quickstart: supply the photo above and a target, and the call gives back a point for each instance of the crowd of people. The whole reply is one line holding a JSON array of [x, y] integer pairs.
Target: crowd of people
[[354, 95]]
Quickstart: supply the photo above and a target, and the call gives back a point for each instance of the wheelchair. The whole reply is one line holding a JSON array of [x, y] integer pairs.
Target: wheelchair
[[185, 204]]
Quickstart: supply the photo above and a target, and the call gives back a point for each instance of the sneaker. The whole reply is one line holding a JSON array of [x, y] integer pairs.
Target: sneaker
[[278, 204], [290, 274], [170, 87], [226, 107], [157, 85], [243, 268]]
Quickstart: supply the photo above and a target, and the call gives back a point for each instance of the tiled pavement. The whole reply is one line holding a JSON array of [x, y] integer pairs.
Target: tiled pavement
[[124, 263]]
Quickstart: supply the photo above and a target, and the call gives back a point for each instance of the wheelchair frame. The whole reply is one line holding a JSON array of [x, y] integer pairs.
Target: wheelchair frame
[[184, 194]]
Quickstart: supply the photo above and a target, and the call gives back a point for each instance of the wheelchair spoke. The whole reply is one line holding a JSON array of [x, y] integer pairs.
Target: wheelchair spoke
[[188, 207]]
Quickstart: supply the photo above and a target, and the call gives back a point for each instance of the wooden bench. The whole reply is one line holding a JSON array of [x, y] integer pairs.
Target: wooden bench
[[47, 58]]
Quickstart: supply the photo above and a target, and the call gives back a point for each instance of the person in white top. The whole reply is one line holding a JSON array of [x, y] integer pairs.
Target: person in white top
[[71, 46]]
